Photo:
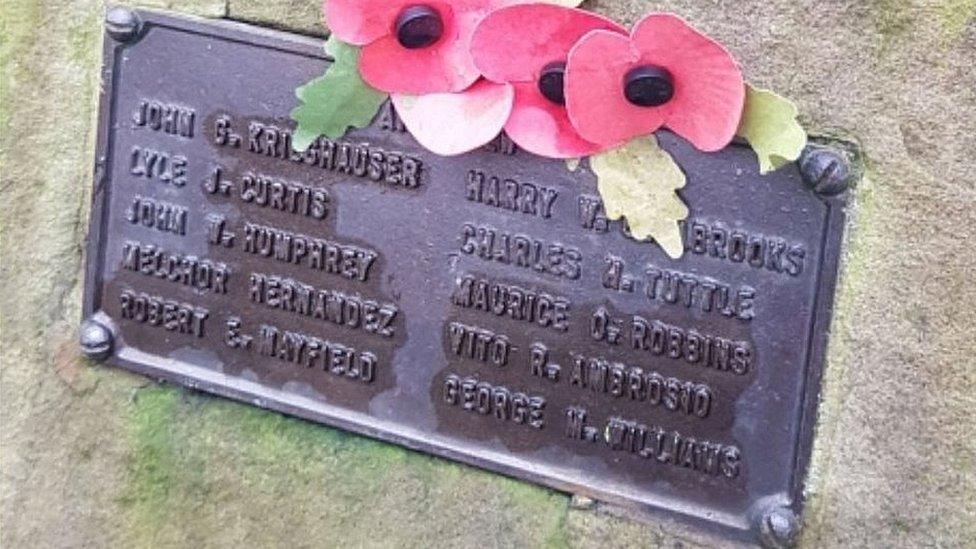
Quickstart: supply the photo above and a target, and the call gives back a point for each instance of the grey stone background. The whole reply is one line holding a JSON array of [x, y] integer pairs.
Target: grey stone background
[[96, 457]]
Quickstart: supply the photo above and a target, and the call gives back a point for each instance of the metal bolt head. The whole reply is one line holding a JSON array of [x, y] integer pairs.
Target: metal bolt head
[[122, 24], [826, 171], [779, 528], [551, 82], [96, 340], [648, 86], [418, 27]]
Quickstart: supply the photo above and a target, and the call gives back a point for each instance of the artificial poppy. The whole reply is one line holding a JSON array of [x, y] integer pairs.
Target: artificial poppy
[[664, 74], [533, 60], [409, 46], [453, 123]]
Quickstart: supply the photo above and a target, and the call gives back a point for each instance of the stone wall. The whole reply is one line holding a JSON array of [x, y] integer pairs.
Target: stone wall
[[94, 456]]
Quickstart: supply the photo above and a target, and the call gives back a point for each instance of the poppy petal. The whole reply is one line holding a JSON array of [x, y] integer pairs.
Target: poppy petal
[[595, 101], [504, 52], [449, 124], [360, 22], [442, 67], [709, 90], [542, 127]]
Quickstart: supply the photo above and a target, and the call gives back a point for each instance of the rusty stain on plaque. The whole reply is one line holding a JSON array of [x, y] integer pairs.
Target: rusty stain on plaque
[[480, 308]]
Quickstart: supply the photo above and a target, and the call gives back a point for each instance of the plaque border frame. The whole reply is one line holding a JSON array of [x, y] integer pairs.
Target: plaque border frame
[[741, 527]]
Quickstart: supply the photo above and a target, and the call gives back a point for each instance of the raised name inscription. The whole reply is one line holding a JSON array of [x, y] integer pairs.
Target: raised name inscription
[[481, 307]]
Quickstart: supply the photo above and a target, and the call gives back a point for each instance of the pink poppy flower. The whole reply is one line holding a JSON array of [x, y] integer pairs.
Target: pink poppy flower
[[449, 124], [527, 46], [411, 46], [664, 74]]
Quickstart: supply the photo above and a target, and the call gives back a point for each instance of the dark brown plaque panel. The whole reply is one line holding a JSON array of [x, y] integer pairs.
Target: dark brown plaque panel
[[479, 308]]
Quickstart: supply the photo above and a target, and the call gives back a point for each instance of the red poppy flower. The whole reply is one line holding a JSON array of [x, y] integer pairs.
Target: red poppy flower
[[664, 74], [453, 123], [527, 46], [411, 46]]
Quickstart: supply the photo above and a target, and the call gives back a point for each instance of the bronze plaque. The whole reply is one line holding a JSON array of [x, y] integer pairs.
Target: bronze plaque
[[480, 308]]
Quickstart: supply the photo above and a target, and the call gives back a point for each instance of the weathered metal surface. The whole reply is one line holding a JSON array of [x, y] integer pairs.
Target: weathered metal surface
[[479, 308]]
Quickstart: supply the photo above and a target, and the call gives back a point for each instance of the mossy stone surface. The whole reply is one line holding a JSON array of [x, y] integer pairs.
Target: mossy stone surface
[[91, 456]]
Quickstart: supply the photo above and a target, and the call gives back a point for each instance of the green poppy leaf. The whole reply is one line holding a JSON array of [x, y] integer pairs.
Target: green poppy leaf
[[638, 181], [769, 125], [336, 101]]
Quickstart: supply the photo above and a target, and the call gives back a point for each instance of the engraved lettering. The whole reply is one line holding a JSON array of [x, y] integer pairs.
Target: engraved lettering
[[200, 274], [154, 214], [699, 292], [482, 398], [512, 301], [509, 194], [590, 210], [285, 196], [344, 260], [502, 145], [158, 165], [689, 345], [360, 160], [168, 314], [171, 119], [313, 353], [490, 244], [390, 120], [619, 380], [540, 365], [658, 445], [759, 251], [333, 307], [479, 344]]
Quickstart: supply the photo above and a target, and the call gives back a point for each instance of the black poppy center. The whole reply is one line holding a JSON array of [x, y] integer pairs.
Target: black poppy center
[[551, 82], [418, 27], [648, 86]]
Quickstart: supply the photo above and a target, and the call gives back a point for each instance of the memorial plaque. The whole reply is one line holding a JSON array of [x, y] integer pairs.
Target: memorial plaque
[[480, 308]]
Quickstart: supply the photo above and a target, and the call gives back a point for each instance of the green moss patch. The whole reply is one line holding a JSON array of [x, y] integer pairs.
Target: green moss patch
[[200, 470]]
